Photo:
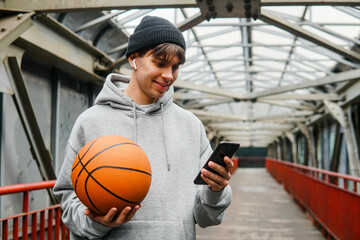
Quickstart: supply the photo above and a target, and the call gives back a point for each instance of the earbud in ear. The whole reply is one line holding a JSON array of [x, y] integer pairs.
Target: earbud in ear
[[134, 63]]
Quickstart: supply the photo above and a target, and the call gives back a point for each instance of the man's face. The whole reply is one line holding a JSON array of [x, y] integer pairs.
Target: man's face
[[153, 77]]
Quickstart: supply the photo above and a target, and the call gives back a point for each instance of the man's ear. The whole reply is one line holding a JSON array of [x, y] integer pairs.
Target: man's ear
[[131, 60]]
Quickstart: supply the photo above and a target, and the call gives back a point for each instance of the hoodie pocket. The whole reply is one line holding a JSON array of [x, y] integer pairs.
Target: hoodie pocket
[[152, 230]]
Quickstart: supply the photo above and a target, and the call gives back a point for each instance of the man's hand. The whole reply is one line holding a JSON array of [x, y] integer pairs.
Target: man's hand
[[112, 218], [218, 181]]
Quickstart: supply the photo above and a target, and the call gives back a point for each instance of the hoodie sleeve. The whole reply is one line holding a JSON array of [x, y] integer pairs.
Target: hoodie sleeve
[[73, 210], [210, 206]]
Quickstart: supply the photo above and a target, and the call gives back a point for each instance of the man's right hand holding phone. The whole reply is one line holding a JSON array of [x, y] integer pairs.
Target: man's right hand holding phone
[[218, 181]]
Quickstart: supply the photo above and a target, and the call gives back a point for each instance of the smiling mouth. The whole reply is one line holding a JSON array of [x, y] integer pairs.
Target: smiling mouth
[[162, 86]]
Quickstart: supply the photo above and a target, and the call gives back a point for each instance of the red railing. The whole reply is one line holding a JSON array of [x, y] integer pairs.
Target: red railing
[[331, 199], [52, 228], [236, 165]]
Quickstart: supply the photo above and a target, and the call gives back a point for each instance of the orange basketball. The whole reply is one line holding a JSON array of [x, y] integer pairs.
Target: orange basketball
[[111, 171]]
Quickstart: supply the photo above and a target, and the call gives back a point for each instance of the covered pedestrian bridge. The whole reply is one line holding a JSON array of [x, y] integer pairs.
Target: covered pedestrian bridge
[[280, 77]]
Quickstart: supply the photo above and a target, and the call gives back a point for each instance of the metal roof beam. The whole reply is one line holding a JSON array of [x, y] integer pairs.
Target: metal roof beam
[[227, 70], [273, 19], [256, 24], [12, 26], [93, 5], [297, 116], [335, 78], [263, 60], [223, 94], [193, 96], [202, 105], [246, 129], [334, 34], [275, 128], [190, 22], [287, 104], [350, 11], [46, 39], [309, 3], [197, 39], [220, 100], [212, 90], [218, 116], [211, 35], [333, 56], [305, 97], [98, 20]]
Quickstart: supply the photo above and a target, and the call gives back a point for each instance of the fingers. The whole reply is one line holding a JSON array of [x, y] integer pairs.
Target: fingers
[[214, 185], [213, 179], [113, 218], [229, 163], [108, 218], [120, 219], [224, 172], [132, 213], [103, 219], [220, 180]]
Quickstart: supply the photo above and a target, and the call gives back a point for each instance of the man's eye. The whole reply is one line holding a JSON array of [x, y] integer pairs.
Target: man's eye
[[160, 64]]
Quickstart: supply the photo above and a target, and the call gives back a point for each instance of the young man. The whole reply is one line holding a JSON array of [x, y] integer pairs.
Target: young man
[[141, 109]]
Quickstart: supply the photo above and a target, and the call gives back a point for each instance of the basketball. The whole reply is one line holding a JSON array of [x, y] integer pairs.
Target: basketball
[[111, 171]]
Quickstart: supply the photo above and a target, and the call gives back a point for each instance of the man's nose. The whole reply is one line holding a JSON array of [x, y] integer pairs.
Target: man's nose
[[167, 73]]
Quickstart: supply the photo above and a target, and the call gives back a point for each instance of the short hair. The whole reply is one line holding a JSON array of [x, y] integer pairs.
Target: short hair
[[165, 50]]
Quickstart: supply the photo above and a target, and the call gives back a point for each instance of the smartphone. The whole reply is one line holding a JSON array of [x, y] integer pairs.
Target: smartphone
[[223, 149]]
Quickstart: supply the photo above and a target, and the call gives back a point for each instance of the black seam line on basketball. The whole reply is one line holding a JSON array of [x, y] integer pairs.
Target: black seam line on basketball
[[124, 168], [90, 175], [84, 154], [95, 179], [88, 196], [80, 162], [97, 154]]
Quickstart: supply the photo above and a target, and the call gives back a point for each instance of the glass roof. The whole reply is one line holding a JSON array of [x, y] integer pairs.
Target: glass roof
[[231, 59]]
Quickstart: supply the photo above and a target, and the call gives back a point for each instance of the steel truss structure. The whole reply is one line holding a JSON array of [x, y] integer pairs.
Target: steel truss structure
[[270, 73]]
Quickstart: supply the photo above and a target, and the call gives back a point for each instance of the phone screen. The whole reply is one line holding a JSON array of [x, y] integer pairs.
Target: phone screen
[[223, 149]]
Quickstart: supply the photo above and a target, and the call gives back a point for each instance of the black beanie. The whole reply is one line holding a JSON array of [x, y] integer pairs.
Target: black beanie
[[153, 31]]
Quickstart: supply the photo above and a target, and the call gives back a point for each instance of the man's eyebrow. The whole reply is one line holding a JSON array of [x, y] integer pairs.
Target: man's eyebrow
[[164, 60], [160, 58]]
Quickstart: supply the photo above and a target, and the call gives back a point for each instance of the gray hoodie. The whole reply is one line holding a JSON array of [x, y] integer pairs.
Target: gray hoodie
[[175, 142]]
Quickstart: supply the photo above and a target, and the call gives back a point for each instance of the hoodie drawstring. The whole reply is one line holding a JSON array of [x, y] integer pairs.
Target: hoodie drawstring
[[163, 125], [164, 136], [135, 125]]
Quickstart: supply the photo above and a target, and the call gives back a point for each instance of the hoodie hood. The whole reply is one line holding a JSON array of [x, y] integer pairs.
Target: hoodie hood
[[113, 94]]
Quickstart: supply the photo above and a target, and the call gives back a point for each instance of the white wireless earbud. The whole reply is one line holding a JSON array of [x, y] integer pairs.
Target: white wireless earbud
[[134, 63]]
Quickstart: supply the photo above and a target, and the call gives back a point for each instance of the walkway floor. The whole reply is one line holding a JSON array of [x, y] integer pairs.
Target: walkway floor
[[261, 210]]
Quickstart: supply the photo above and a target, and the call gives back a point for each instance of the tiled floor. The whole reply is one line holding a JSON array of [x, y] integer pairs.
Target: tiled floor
[[260, 210]]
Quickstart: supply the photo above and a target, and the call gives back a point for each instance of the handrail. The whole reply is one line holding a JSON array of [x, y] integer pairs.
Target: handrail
[[22, 187], [46, 231], [334, 209], [323, 175]]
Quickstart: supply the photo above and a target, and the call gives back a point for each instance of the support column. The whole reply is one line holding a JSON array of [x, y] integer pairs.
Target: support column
[[353, 137], [338, 113], [305, 130], [27, 116], [278, 144], [292, 140]]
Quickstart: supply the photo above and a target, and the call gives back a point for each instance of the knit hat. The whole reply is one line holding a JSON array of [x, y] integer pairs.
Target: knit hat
[[153, 31]]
